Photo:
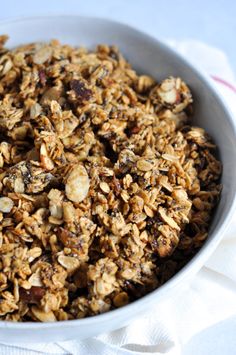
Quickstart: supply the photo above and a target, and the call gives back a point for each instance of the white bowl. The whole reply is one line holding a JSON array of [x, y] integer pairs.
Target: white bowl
[[148, 56]]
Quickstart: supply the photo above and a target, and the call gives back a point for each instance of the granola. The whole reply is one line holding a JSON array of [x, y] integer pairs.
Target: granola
[[106, 190]]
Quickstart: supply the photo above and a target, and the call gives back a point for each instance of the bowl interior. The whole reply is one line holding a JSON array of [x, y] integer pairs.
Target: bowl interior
[[148, 56]]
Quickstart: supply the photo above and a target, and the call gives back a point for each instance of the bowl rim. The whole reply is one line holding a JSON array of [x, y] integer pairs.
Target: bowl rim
[[207, 249]]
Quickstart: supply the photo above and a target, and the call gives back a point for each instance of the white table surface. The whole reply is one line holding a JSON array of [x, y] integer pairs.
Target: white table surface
[[212, 21]]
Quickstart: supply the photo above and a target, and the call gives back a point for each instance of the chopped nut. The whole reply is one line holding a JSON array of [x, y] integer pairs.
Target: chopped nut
[[55, 203], [43, 316], [168, 220], [35, 279], [172, 92], [34, 253], [68, 262], [42, 55], [47, 163], [77, 184], [35, 110], [6, 204]]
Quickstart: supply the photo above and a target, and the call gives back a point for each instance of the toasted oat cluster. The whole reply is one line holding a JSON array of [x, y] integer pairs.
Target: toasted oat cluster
[[106, 190]]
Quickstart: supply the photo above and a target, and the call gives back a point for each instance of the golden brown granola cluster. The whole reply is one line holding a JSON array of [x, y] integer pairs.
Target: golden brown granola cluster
[[106, 190]]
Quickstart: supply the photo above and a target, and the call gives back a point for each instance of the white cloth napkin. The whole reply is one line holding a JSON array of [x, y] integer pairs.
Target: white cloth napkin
[[202, 319]]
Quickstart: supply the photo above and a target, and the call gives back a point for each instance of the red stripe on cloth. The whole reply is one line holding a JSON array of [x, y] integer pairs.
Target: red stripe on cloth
[[222, 81]]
